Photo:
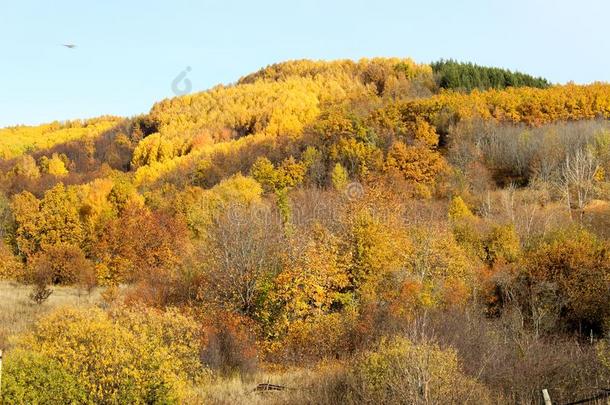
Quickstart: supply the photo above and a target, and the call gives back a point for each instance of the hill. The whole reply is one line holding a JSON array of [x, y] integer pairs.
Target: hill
[[17, 140], [351, 229]]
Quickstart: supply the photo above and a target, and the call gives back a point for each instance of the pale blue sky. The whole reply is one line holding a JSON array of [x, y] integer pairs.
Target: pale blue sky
[[130, 51]]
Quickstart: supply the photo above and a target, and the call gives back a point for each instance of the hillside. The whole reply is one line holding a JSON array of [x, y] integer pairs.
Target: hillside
[[346, 228], [18, 140]]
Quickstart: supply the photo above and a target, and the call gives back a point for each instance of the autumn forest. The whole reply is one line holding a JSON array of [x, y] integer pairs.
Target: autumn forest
[[319, 232]]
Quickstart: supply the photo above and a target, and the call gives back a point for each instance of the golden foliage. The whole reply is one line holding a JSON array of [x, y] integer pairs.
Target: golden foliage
[[55, 166], [53, 220], [439, 268], [115, 361], [579, 266], [417, 164], [377, 249], [272, 108], [200, 207], [15, 141], [11, 267], [515, 105], [458, 209], [415, 373], [32, 378], [313, 277], [339, 177]]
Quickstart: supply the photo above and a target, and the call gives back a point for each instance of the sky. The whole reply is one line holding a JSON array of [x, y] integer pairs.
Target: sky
[[129, 53]]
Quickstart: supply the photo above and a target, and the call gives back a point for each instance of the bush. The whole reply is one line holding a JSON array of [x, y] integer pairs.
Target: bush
[[502, 244], [40, 293], [515, 364], [400, 371], [458, 209], [180, 334], [32, 378], [10, 266], [229, 345], [317, 338], [567, 275], [113, 364], [62, 264]]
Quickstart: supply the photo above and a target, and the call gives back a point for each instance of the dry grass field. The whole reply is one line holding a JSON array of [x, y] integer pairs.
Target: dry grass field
[[18, 311], [300, 387]]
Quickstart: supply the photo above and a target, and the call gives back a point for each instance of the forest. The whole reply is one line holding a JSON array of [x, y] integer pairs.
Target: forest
[[377, 231]]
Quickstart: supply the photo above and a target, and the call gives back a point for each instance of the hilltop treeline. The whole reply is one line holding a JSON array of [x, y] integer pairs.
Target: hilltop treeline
[[359, 222], [451, 74]]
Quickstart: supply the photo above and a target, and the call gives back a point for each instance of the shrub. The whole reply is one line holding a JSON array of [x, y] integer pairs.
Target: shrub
[[62, 264], [490, 243], [229, 345], [32, 378], [242, 255], [509, 359], [568, 276], [502, 244], [201, 207], [458, 209], [56, 166], [87, 278], [180, 334], [40, 293], [317, 338], [40, 277], [339, 177], [10, 266], [400, 371], [113, 364], [441, 266]]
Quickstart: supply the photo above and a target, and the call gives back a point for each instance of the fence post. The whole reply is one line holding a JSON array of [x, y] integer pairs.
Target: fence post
[[0, 374], [547, 397]]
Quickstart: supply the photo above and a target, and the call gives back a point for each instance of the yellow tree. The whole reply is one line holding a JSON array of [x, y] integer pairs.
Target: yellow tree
[[56, 166], [339, 177], [26, 210], [59, 218], [313, 278]]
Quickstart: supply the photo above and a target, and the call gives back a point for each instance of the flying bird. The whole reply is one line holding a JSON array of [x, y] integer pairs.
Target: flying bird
[[71, 46]]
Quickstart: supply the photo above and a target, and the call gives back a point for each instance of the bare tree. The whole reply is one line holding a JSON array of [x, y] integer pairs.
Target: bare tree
[[508, 201], [577, 175], [243, 254]]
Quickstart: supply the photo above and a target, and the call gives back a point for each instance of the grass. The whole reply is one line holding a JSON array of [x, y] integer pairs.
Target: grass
[[18, 312], [242, 392], [303, 386]]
